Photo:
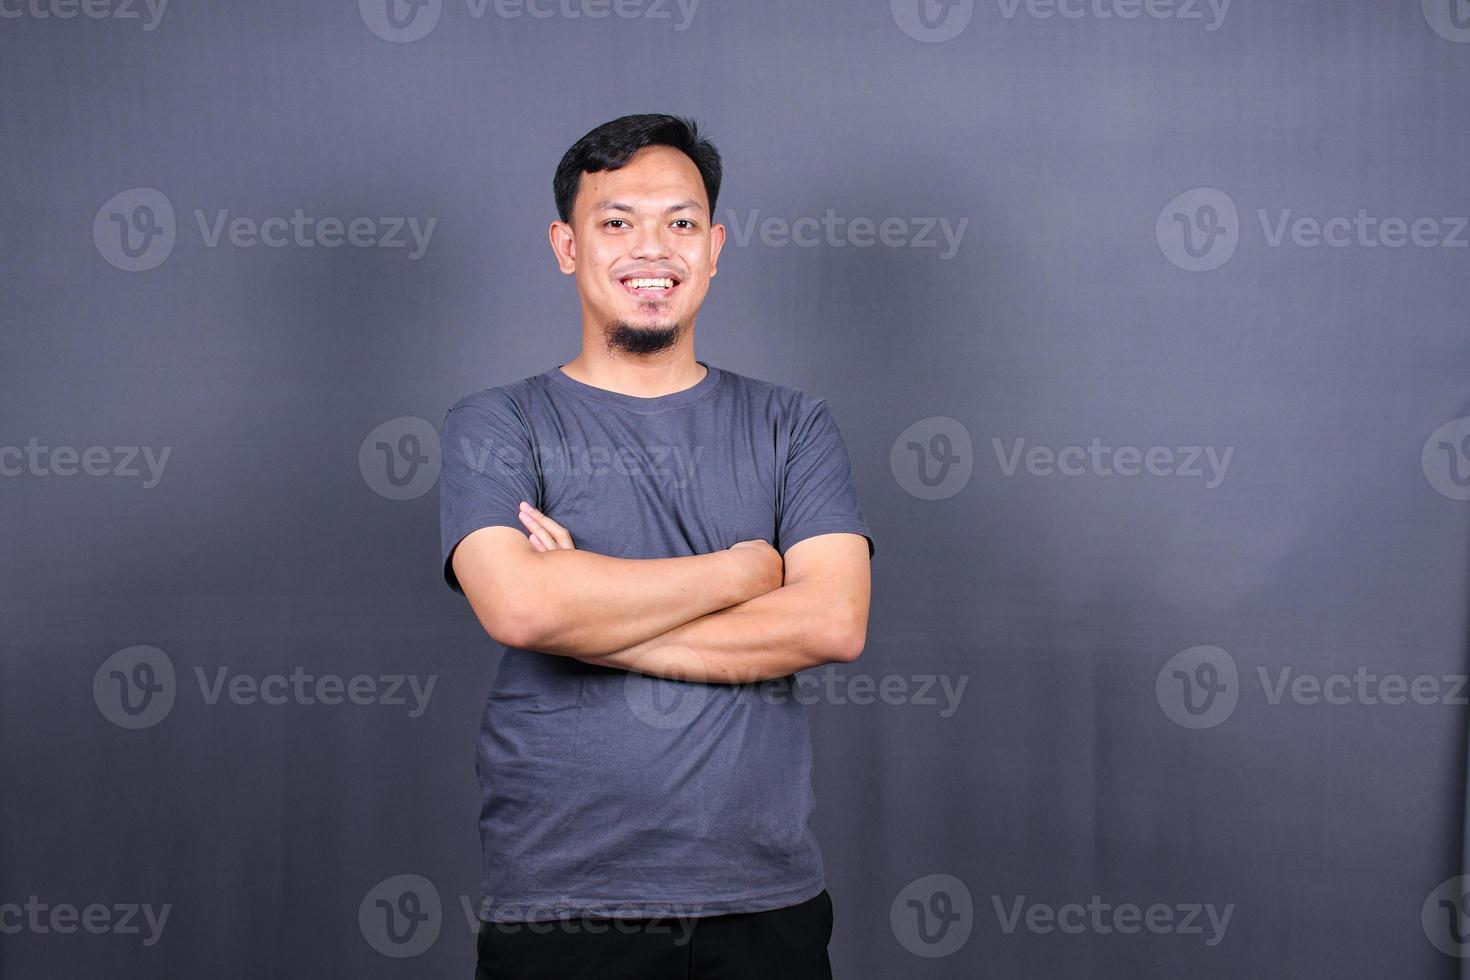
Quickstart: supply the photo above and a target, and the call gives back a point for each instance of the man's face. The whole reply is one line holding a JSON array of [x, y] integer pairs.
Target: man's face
[[643, 248]]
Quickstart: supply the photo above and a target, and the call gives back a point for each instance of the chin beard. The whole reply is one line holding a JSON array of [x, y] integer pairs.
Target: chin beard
[[620, 335]]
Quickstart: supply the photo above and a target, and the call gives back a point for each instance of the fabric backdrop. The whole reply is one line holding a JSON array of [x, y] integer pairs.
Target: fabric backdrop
[[1144, 322]]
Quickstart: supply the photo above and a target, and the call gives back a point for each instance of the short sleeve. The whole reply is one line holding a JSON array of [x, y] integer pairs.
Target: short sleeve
[[819, 496], [488, 468]]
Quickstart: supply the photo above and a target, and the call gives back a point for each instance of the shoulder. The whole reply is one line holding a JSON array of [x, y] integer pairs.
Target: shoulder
[[783, 401], [512, 399]]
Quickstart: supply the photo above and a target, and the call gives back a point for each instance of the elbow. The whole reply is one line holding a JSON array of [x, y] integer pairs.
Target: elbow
[[534, 626], [506, 588], [847, 644], [515, 631], [509, 623]]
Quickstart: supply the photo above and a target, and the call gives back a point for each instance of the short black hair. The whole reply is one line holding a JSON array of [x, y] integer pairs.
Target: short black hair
[[609, 146]]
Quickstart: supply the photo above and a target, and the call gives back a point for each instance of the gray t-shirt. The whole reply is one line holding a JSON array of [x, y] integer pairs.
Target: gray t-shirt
[[610, 790]]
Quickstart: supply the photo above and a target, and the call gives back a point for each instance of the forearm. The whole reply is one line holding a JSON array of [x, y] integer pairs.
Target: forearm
[[772, 635], [590, 604]]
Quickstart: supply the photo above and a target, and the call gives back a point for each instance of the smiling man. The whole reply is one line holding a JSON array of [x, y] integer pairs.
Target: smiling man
[[659, 544]]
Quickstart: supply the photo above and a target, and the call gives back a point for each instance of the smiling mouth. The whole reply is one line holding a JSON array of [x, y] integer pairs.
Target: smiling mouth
[[650, 287]]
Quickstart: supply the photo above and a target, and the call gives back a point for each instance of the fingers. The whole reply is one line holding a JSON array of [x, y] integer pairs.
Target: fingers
[[546, 534], [540, 537]]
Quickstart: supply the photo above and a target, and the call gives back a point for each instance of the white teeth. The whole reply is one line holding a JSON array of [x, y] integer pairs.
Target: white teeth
[[650, 283]]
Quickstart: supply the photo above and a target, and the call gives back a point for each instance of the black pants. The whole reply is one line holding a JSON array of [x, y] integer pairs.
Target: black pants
[[780, 944]]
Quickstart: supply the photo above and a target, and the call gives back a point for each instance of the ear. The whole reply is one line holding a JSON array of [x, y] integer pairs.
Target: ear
[[564, 246], [716, 242]]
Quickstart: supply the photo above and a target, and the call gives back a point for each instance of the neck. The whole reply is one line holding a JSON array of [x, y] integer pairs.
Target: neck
[[640, 375]]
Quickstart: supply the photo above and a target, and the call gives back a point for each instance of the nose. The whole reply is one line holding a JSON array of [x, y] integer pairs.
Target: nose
[[649, 241]]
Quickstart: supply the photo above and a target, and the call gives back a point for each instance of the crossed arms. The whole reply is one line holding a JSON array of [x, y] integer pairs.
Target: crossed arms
[[729, 617]]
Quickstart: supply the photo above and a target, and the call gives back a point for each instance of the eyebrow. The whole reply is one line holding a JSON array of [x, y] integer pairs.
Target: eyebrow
[[620, 206]]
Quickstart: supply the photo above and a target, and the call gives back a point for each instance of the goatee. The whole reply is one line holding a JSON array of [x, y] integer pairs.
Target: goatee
[[620, 335]]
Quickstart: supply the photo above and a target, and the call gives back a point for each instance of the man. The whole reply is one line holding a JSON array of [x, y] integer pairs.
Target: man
[[660, 545]]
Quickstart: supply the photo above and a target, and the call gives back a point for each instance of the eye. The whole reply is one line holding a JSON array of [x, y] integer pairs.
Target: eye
[[611, 220], [684, 221]]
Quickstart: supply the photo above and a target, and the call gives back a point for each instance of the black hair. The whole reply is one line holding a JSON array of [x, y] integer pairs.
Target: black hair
[[609, 146]]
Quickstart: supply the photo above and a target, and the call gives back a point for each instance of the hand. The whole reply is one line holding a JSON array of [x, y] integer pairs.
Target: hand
[[766, 568], [546, 534]]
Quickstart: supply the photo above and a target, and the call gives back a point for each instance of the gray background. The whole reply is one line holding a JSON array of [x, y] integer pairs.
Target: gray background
[[1334, 544]]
